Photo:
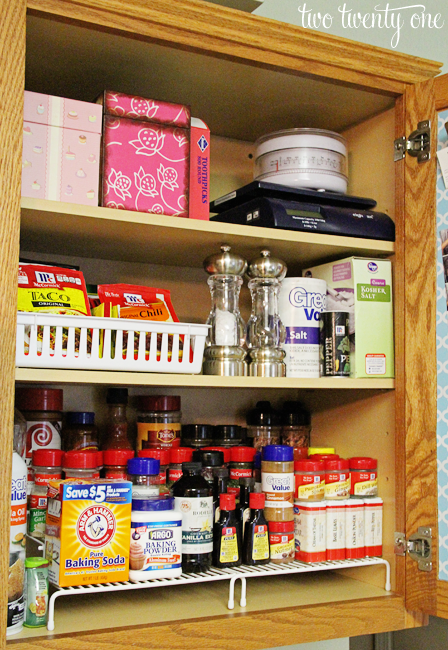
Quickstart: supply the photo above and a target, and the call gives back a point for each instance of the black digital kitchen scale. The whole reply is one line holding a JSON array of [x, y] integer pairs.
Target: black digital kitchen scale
[[275, 206]]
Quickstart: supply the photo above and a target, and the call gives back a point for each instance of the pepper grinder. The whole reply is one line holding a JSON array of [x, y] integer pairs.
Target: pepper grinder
[[265, 331], [225, 354]]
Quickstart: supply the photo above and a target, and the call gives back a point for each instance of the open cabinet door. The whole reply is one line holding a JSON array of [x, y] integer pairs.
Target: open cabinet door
[[441, 101], [417, 250]]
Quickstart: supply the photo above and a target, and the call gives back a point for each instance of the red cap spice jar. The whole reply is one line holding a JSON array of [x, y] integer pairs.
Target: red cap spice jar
[[337, 479], [323, 457], [178, 456], [116, 463], [363, 477], [82, 464], [46, 467], [42, 410], [300, 453], [309, 480], [281, 541], [241, 465], [158, 421], [162, 455]]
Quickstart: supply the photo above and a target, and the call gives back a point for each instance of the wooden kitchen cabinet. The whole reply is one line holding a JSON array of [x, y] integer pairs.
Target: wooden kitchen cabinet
[[244, 76]]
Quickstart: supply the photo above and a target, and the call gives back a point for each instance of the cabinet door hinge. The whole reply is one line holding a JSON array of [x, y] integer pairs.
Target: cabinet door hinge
[[418, 546], [418, 144]]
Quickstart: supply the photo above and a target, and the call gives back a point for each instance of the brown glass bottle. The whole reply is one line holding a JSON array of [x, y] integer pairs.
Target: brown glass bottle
[[117, 423]]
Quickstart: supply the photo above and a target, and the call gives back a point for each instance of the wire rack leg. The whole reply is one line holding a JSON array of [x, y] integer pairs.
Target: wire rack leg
[[50, 620], [231, 601]]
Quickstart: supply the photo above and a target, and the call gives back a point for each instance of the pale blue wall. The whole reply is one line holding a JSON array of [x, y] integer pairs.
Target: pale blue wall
[[426, 42]]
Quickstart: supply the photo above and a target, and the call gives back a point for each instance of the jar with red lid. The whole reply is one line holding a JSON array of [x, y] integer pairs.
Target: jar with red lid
[[281, 541], [363, 477], [309, 480], [158, 421], [241, 465], [46, 467], [82, 464], [42, 410], [116, 463], [164, 458], [323, 457], [178, 456], [300, 453], [337, 479]]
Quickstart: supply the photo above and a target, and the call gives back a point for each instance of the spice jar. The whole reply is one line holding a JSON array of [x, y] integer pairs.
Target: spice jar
[[209, 460], [241, 465], [46, 467], [227, 435], [178, 456], [158, 421], [296, 425], [363, 477], [80, 431], [277, 482], [164, 458], [263, 425], [116, 462], [144, 475], [309, 478], [82, 464], [281, 541], [337, 479], [42, 410], [197, 435], [226, 451], [117, 423], [323, 457], [300, 453], [320, 450]]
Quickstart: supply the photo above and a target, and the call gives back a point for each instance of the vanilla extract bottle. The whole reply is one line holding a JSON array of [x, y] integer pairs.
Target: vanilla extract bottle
[[256, 537], [227, 546]]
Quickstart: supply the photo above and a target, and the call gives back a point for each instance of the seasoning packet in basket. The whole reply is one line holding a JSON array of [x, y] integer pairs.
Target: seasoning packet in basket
[[138, 303], [54, 290]]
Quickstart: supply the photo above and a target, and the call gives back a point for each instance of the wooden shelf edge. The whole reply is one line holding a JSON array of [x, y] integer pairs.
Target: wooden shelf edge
[[56, 376], [251, 631]]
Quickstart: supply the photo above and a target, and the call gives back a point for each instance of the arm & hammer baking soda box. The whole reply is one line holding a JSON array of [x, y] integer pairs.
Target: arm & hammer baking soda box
[[363, 287], [87, 531]]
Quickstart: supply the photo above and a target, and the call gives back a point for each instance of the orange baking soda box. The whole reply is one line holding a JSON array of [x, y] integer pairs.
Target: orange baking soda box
[[87, 531]]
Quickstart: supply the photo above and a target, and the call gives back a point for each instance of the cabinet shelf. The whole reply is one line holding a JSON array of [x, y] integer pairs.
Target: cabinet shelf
[[105, 233], [54, 376]]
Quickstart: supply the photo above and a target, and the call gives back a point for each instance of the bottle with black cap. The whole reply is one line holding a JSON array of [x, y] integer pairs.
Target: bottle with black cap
[[296, 425], [117, 423], [264, 425], [209, 459], [193, 497]]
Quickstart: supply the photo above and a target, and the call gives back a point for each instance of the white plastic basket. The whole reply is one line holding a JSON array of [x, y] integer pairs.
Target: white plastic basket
[[91, 343]]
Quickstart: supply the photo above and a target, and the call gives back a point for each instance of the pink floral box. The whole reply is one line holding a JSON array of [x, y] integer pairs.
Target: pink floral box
[[61, 149], [146, 155]]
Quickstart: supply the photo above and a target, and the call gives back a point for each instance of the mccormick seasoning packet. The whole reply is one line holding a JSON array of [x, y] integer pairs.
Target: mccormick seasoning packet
[[52, 289], [137, 303]]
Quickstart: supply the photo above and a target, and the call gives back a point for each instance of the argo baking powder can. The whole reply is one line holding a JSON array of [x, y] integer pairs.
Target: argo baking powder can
[[334, 344], [301, 300]]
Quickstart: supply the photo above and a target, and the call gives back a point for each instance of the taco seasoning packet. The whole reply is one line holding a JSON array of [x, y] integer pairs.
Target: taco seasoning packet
[[138, 303], [52, 290]]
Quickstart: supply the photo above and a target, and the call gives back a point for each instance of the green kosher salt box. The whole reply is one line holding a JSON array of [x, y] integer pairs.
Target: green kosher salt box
[[363, 288]]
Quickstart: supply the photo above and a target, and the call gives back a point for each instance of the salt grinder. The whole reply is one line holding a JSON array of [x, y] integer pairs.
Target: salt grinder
[[225, 354], [265, 331]]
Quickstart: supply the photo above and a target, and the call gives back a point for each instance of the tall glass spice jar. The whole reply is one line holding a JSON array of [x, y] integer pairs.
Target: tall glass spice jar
[[263, 425], [158, 421], [117, 422], [296, 425], [277, 482], [42, 410], [80, 431]]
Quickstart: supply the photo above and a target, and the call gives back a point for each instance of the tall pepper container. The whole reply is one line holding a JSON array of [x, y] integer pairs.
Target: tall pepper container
[[158, 421]]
